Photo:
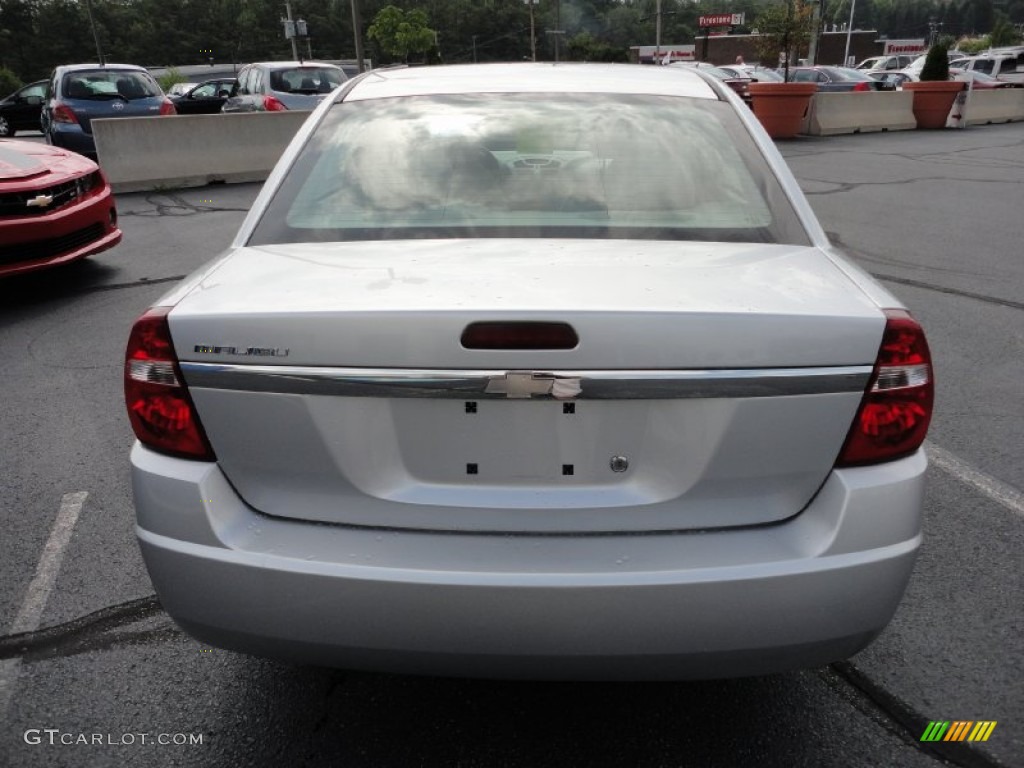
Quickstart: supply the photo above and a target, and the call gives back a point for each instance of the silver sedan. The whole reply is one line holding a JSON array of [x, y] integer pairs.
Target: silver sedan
[[531, 371]]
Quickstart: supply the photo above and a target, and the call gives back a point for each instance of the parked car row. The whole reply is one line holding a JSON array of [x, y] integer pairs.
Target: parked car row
[[65, 105], [838, 79], [262, 87]]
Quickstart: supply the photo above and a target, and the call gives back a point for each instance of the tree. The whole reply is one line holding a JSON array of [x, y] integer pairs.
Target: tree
[[784, 28], [401, 32], [9, 81], [1004, 33], [585, 47], [936, 64]]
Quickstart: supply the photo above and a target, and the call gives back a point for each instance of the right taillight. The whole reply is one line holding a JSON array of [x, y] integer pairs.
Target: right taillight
[[63, 114], [893, 417], [159, 407]]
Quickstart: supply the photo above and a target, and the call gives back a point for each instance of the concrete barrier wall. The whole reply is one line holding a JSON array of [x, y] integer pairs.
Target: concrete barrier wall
[[143, 153], [995, 105], [836, 113]]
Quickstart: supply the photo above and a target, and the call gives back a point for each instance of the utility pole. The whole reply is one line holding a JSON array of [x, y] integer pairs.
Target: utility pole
[[289, 30], [357, 32], [657, 33], [533, 35], [812, 54], [95, 34], [558, 24], [474, 49]]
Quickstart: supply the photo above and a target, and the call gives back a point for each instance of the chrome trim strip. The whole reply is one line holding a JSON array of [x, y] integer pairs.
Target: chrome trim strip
[[476, 384]]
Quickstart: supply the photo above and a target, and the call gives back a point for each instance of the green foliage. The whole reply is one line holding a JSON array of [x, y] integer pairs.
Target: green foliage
[[169, 78], [584, 47], [936, 64], [785, 28], [9, 82], [973, 45], [36, 35], [1004, 33], [400, 32]]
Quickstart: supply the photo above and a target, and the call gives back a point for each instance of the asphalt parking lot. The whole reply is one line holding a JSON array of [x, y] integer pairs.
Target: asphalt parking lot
[[85, 649]]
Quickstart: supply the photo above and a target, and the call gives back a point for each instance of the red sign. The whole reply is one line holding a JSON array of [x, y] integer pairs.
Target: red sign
[[904, 46], [721, 20]]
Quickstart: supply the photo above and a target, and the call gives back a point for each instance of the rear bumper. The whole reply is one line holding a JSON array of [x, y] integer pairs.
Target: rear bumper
[[801, 593], [72, 137]]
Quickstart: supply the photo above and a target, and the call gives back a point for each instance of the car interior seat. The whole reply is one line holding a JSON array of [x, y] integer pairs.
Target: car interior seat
[[129, 88], [77, 89]]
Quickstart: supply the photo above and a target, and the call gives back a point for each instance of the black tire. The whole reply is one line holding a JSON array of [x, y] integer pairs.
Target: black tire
[[6, 130]]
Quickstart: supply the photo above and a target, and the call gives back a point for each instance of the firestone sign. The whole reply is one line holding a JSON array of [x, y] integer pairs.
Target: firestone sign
[[721, 20], [904, 46]]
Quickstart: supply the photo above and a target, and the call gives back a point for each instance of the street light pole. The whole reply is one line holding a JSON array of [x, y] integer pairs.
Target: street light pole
[[849, 31]]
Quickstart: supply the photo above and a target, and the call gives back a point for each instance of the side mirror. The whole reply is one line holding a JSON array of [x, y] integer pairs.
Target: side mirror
[[223, 93]]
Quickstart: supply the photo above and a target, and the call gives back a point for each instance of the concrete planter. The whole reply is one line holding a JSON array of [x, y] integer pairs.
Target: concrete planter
[[932, 101], [781, 106]]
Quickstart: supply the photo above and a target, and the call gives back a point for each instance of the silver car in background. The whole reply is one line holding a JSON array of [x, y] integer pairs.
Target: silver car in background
[[276, 86], [531, 371]]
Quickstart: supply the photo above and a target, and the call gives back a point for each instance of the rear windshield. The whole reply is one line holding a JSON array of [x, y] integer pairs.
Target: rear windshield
[[109, 84], [306, 79], [530, 165], [847, 74]]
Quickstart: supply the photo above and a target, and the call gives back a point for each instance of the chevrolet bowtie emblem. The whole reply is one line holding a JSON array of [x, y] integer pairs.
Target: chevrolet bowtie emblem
[[526, 384], [39, 201]]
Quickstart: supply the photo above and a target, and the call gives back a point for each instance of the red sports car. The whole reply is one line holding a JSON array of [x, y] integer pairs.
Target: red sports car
[[55, 207]]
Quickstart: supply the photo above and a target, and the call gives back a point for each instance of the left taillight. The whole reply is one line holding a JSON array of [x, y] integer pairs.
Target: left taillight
[[897, 407], [860, 87], [167, 108], [161, 412], [273, 104]]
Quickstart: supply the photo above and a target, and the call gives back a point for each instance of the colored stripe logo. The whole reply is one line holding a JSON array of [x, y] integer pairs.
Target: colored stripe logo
[[958, 730]]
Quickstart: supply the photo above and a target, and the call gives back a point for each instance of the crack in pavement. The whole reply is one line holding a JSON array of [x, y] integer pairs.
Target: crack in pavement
[[1010, 303], [848, 186], [951, 291], [81, 634], [177, 206], [898, 717], [836, 239]]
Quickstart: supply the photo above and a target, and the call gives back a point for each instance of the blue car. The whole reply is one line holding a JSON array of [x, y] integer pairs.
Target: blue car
[[77, 94]]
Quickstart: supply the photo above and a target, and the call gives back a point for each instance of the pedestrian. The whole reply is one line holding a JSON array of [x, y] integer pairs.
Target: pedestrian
[[739, 59]]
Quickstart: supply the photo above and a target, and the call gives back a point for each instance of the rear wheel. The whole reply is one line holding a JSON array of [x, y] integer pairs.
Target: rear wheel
[[5, 127]]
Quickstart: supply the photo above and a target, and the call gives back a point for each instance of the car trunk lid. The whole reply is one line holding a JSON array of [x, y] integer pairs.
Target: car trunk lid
[[712, 384]]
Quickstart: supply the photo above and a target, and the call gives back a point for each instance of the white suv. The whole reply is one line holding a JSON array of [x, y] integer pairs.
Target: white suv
[[1002, 64]]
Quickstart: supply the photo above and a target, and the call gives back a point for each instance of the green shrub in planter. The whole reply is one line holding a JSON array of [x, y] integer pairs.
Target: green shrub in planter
[[936, 64]]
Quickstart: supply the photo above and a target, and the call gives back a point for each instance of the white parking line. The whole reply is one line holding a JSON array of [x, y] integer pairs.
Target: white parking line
[[31, 612], [997, 490]]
